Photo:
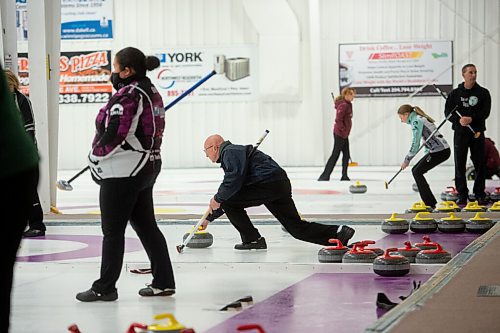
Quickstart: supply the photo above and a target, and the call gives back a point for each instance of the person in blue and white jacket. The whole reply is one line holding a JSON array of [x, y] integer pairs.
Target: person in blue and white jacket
[[437, 149]]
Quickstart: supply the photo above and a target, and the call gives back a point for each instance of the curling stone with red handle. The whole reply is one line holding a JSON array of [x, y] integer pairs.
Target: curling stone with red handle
[[450, 194], [427, 244], [495, 195], [395, 225], [391, 265], [451, 224], [434, 256], [248, 327], [478, 224], [408, 251], [423, 223], [358, 254], [332, 253]]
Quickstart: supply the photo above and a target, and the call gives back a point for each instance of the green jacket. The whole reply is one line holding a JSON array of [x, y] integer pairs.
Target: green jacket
[[17, 151]]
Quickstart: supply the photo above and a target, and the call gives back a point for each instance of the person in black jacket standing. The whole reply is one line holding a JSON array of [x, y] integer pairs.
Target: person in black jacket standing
[[473, 102], [254, 180], [35, 221]]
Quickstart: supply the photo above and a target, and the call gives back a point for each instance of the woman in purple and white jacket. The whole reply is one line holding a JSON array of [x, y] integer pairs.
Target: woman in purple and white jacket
[[125, 161]]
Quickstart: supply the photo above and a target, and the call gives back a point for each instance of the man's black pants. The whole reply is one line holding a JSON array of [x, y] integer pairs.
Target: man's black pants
[[277, 197], [462, 143]]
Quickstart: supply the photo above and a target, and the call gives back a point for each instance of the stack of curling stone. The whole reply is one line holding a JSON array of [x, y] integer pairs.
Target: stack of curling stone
[[495, 195], [433, 256], [201, 239], [427, 244], [451, 224], [395, 225], [332, 253], [447, 206], [495, 207], [358, 254], [474, 207], [423, 223], [414, 187], [357, 188], [451, 194], [408, 251], [418, 207], [478, 224], [391, 265]]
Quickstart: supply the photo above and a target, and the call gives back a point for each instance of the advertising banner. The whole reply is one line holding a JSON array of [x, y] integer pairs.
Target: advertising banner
[[84, 76], [80, 19], [181, 68], [396, 69]]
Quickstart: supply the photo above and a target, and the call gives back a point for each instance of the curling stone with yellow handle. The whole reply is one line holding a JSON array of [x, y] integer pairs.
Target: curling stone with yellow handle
[[473, 206], [451, 224], [418, 207], [395, 225], [201, 239], [495, 207], [478, 224], [447, 206], [423, 223], [357, 188]]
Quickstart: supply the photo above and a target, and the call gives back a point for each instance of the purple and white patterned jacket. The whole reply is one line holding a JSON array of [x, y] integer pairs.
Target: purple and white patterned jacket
[[129, 131]]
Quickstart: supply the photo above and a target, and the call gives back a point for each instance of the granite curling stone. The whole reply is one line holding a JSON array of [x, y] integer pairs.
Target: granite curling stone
[[433, 256], [408, 251], [478, 224], [358, 254], [423, 223], [395, 225], [451, 224], [333, 253], [357, 188], [391, 265]]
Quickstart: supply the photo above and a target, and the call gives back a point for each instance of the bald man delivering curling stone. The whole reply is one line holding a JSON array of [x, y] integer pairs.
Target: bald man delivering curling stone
[[254, 180]]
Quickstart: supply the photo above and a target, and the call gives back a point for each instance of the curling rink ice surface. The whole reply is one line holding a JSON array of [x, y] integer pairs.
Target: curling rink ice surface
[[292, 291]]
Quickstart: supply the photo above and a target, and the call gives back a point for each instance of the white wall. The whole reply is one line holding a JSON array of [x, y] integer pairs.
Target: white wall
[[300, 133], [378, 137]]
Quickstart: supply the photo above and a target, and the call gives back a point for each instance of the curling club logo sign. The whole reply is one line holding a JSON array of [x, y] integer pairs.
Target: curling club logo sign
[[473, 100]]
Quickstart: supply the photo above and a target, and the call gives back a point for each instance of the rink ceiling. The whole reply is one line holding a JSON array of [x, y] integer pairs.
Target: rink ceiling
[[300, 125]]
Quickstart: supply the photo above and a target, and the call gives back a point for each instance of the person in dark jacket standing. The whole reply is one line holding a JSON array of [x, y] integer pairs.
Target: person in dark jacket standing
[[473, 102], [254, 180], [125, 161], [18, 180], [35, 221], [341, 130]]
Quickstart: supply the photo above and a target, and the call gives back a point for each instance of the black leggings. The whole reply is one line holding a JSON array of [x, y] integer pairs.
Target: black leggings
[[277, 197], [131, 199], [425, 164], [340, 145], [16, 208]]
